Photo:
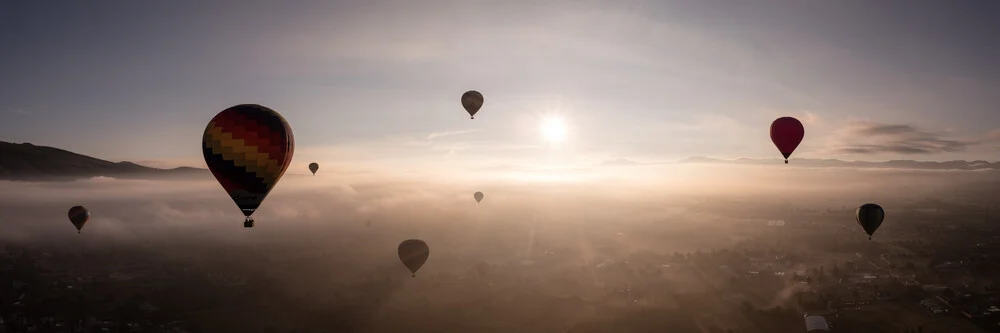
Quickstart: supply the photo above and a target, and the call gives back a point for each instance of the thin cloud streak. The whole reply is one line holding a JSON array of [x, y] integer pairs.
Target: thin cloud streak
[[867, 138], [435, 135]]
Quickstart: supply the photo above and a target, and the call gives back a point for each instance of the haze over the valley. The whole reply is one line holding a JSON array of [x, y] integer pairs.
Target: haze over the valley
[[555, 237], [633, 179]]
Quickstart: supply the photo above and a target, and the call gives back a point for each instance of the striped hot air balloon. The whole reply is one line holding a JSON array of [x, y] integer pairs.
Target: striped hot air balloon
[[248, 147]]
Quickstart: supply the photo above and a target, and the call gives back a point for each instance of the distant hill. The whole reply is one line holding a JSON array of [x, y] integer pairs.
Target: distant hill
[[25, 161], [832, 163]]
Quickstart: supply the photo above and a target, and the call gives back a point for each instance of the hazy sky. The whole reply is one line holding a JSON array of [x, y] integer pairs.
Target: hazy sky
[[380, 81]]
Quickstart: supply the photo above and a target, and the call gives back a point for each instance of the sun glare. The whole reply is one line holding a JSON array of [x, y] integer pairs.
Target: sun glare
[[553, 129]]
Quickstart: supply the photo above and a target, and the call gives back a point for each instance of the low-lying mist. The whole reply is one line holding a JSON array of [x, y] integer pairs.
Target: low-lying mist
[[550, 237]]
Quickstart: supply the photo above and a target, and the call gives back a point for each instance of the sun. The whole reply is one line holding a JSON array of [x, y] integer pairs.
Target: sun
[[553, 129]]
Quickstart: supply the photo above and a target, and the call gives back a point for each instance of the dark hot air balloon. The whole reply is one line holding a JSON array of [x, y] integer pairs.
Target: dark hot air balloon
[[478, 196], [413, 253], [472, 100], [870, 217], [313, 167], [483, 268], [787, 133], [79, 216], [248, 147]]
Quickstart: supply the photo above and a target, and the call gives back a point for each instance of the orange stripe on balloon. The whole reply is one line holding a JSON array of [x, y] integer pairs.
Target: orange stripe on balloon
[[246, 157], [253, 133]]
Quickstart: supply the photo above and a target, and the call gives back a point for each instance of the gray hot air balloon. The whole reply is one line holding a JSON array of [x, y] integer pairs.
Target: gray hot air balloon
[[313, 167], [478, 196], [413, 253], [870, 217], [79, 216], [472, 100]]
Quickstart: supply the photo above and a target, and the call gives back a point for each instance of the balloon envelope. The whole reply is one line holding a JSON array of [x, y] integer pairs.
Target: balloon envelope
[[870, 217], [478, 196], [472, 100], [413, 253], [79, 216], [787, 133], [313, 167], [248, 147]]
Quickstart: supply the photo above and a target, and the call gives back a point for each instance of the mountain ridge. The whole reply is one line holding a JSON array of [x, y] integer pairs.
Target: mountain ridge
[[26, 161], [29, 162]]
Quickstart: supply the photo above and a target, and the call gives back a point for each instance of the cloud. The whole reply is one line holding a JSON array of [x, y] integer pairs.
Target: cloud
[[20, 111], [993, 135], [864, 137], [434, 135], [619, 161], [809, 118]]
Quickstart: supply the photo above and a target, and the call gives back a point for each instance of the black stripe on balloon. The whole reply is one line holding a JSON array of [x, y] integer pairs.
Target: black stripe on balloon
[[237, 175], [262, 117]]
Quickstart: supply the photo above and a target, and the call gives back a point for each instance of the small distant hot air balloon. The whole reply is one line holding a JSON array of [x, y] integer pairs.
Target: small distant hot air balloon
[[79, 216], [478, 196], [313, 167], [472, 100], [483, 268], [787, 133], [870, 217], [413, 253], [368, 223], [248, 147]]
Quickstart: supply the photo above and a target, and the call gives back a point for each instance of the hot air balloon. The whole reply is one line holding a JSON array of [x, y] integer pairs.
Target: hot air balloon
[[79, 216], [483, 268], [368, 223], [870, 217], [472, 100], [787, 133], [248, 147], [313, 167], [478, 196], [413, 253]]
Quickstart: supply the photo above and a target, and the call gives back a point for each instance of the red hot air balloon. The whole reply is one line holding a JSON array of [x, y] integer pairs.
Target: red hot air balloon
[[787, 133], [248, 147]]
